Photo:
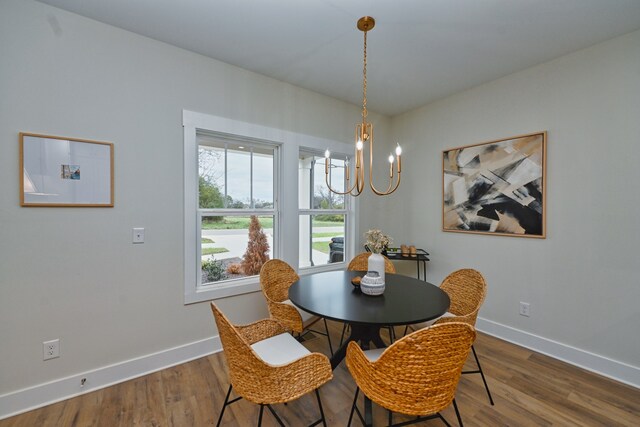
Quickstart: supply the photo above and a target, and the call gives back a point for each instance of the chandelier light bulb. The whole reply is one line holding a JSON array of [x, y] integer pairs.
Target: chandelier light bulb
[[391, 158], [398, 150], [359, 145], [327, 154]]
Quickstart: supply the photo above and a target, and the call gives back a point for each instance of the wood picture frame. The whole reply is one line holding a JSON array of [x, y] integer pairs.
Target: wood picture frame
[[65, 172], [496, 187]]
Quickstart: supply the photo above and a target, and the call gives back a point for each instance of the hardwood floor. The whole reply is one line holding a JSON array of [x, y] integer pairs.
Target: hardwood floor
[[529, 389]]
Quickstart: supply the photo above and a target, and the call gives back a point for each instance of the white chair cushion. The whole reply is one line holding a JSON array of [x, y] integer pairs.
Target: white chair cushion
[[374, 354], [306, 316], [280, 349]]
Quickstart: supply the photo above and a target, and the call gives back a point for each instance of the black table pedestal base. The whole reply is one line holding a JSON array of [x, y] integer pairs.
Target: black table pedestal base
[[363, 335]]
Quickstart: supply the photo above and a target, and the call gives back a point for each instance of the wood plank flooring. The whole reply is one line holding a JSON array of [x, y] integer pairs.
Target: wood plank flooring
[[529, 389]]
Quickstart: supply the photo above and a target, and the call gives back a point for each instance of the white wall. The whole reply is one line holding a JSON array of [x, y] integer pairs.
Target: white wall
[[583, 280], [72, 273]]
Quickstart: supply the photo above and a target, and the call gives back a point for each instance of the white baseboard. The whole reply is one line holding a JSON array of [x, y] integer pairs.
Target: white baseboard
[[598, 364], [34, 397], [40, 395]]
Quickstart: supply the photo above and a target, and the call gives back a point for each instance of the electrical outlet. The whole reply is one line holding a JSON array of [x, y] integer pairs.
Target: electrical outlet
[[50, 349], [524, 309]]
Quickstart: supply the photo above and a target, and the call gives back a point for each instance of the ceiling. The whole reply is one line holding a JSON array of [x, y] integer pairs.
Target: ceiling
[[419, 51]]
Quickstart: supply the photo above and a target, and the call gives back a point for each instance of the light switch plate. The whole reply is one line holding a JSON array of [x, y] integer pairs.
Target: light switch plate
[[138, 235]]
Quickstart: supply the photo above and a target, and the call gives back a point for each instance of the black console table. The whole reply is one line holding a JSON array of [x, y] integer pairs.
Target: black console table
[[420, 257]]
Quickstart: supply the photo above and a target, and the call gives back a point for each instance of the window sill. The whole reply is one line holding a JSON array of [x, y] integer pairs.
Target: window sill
[[246, 286], [321, 268], [213, 292]]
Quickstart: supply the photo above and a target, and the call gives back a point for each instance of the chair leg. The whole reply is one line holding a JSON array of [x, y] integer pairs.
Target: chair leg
[[224, 406], [417, 419], [260, 416], [444, 420], [353, 406], [324, 421], [326, 327], [482, 374], [455, 406], [275, 415], [390, 417]]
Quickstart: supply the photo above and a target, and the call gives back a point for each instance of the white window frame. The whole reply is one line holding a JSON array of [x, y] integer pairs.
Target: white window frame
[[349, 224], [237, 285], [285, 198]]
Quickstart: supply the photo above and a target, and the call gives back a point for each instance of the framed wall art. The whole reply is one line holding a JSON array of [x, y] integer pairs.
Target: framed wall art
[[59, 171], [496, 187]]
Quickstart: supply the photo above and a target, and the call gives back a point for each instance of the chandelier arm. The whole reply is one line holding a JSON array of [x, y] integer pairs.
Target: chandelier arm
[[357, 175], [361, 180], [375, 190], [342, 193], [389, 190], [373, 187]]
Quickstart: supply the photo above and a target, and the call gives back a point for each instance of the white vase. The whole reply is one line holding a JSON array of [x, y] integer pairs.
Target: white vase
[[376, 263]]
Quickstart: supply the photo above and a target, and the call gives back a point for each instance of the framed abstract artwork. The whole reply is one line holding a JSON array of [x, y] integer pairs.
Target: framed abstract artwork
[[57, 171], [496, 187]]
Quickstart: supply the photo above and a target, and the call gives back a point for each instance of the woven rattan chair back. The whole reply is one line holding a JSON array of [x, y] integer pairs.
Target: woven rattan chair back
[[467, 290], [260, 382], [276, 276], [242, 362], [256, 380], [361, 263], [419, 373]]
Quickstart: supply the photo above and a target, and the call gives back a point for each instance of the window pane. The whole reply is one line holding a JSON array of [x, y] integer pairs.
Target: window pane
[[211, 179], [226, 250], [238, 177], [321, 239], [312, 180], [323, 198], [263, 178]]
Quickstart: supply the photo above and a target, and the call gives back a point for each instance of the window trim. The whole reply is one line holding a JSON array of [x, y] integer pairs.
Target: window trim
[[347, 211], [285, 196]]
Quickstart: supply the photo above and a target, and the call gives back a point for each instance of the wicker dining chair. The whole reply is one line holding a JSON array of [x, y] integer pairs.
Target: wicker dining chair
[[361, 263], [467, 290], [267, 365], [276, 276], [417, 375]]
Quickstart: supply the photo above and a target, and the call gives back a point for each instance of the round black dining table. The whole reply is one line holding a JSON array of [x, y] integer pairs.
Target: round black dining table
[[331, 295]]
